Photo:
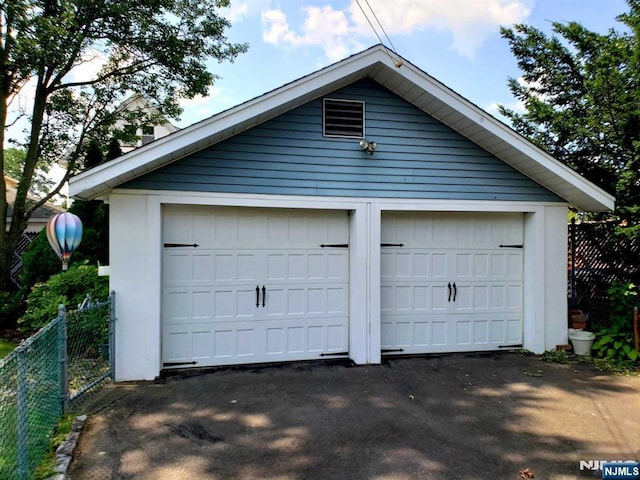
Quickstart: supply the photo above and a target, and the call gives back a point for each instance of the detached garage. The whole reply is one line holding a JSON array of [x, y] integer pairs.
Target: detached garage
[[363, 210]]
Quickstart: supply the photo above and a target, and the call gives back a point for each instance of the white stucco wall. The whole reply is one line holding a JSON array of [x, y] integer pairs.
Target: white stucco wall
[[134, 275], [136, 251], [556, 303], [545, 289]]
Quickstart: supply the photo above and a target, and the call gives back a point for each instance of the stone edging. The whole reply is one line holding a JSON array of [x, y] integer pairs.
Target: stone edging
[[64, 452]]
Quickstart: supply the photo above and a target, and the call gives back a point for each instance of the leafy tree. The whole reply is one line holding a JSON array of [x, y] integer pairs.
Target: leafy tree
[[157, 48], [581, 93], [113, 149], [39, 261], [94, 215], [13, 161]]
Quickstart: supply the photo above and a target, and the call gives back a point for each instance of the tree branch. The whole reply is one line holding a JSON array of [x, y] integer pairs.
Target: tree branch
[[136, 67]]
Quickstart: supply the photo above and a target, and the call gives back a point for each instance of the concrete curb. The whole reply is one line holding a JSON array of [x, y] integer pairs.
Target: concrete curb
[[64, 452]]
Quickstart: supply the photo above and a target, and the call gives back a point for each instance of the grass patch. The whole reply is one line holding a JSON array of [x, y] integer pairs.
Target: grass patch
[[6, 347], [45, 469]]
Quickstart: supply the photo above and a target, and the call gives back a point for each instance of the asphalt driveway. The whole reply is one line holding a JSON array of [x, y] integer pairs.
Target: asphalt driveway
[[483, 416]]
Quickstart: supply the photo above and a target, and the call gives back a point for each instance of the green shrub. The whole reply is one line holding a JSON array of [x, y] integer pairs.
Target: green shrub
[[68, 288], [616, 341], [10, 308], [617, 346], [39, 262], [622, 299]]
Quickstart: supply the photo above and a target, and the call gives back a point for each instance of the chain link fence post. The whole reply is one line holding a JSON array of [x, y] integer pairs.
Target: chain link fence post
[[112, 335], [22, 413], [64, 359]]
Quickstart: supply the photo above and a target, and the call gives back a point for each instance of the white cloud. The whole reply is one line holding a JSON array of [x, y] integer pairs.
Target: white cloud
[[238, 11], [340, 32], [516, 106], [199, 107], [469, 23], [322, 26]]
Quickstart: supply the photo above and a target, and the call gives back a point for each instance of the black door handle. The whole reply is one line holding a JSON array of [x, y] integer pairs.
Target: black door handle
[[449, 288], [455, 291], [257, 295], [264, 295]]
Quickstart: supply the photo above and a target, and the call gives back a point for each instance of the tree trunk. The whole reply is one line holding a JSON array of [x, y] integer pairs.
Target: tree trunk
[[5, 258], [20, 218], [5, 255]]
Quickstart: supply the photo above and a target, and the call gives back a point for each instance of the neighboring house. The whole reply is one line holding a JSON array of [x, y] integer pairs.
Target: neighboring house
[[270, 233], [37, 222], [147, 133]]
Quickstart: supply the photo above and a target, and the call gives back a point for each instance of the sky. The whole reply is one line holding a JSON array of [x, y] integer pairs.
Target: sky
[[456, 41]]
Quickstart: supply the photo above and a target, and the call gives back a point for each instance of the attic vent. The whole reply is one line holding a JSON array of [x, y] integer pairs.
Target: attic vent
[[343, 118]]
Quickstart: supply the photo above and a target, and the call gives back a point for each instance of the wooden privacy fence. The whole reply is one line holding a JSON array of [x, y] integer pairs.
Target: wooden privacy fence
[[598, 258]]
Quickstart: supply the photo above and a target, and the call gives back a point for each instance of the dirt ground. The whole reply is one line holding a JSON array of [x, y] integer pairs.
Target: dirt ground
[[479, 416]]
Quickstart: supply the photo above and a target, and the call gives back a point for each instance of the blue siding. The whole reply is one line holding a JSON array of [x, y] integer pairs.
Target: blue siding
[[417, 157]]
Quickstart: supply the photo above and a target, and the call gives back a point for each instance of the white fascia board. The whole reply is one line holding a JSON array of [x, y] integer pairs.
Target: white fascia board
[[332, 203], [598, 199], [98, 180]]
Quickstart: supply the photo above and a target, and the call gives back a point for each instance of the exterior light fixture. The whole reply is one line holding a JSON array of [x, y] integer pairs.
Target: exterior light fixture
[[368, 146]]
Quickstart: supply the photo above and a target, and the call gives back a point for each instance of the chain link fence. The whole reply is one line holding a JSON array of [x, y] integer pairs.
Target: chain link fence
[[88, 349], [47, 374]]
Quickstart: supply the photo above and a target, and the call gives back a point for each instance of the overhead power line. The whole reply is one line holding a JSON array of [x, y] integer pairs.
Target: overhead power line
[[397, 62], [380, 24]]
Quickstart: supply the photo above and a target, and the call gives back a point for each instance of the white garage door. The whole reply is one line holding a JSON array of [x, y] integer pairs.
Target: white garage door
[[247, 285], [455, 284]]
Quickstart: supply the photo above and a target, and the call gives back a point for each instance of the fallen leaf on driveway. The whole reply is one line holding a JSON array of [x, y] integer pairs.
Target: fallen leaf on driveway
[[527, 473]]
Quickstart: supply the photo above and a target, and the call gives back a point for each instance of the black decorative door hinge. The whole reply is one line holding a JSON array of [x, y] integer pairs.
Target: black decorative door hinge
[[178, 245], [334, 245], [392, 244], [178, 364], [511, 246]]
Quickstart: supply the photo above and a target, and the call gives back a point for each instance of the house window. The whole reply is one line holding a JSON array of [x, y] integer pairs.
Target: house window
[[343, 118], [147, 134]]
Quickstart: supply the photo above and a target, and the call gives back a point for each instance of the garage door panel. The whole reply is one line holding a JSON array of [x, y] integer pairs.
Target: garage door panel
[[451, 287], [209, 294], [310, 336], [176, 306], [305, 266], [398, 297], [396, 264], [442, 229], [178, 268], [440, 334]]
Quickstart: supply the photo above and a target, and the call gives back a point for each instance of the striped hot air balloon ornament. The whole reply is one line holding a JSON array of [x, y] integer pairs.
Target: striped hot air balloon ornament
[[64, 232]]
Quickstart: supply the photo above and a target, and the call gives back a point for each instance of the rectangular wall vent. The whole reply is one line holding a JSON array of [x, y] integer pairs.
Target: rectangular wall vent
[[343, 118]]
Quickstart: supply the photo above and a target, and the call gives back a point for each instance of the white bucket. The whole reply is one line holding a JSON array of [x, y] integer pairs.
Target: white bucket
[[582, 341]]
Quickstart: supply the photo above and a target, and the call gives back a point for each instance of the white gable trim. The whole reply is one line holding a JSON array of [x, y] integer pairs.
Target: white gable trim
[[408, 81]]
